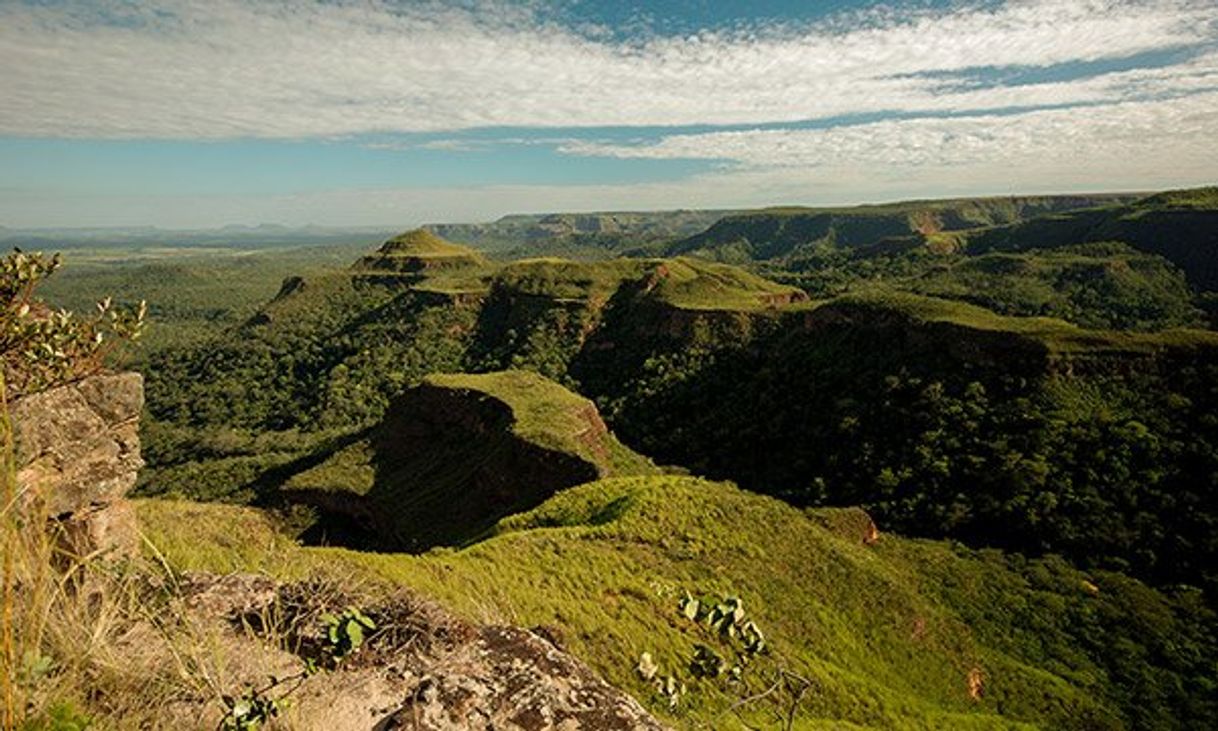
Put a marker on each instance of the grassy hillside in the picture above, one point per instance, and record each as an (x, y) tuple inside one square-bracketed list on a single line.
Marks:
[(416, 252), (331, 350), (191, 293), (1120, 262), (947, 419), (785, 233), (884, 636), (1029, 433), (1100, 285), (456, 453), (325, 357), (402, 405), (1181, 226), (577, 235)]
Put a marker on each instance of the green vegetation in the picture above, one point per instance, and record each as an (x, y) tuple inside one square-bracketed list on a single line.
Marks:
[(1121, 262), (41, 348), (1180, 226), (788, 233), (1194, 199), (954, 379), (418, 251), (901, 634), (1013, 431), (1096, 285), (192, 294), (690, 285), (325, 357), (1020, 432), (578, 235), (455, 454)]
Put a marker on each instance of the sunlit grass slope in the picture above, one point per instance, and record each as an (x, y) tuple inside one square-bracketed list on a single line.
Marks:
[(889, 635), (460, 451)]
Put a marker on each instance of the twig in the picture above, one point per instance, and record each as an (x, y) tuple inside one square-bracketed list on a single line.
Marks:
[(751, 699)]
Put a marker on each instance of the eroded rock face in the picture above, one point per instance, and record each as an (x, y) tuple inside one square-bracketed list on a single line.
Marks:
[(78, 453)]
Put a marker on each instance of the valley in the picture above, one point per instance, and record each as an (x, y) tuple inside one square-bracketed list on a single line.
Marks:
[(957, 458)]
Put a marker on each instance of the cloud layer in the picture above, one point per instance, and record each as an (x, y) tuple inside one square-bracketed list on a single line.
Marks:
[(223, 68), (971, 97)]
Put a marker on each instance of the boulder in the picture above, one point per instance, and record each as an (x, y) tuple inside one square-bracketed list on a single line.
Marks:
[(78, 453), (510, 678)]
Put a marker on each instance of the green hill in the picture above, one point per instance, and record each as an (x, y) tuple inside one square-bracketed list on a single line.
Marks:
[(1100, 285), (456, 453), (785, 233), (578, 235), (1181, 226), (946, 419), (415, 252), (422, 244), (902, 634), (1027, 433), (1100, 261)]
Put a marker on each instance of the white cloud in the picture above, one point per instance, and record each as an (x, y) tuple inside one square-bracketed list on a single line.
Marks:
[(223, 68), (1176, 133)]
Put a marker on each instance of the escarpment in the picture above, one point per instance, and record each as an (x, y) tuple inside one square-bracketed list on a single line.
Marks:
[(458, 452)]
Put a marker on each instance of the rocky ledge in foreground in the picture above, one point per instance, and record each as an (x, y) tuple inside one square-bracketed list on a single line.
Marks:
[(421, 669), (78, 453)]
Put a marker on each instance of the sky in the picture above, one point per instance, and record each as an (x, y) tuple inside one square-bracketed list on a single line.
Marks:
[(202, 113)]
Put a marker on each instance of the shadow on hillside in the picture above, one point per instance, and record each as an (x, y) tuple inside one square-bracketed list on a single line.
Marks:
[(447, 467)]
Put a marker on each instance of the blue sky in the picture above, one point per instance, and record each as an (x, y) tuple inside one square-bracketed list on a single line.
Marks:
[(196, 113)]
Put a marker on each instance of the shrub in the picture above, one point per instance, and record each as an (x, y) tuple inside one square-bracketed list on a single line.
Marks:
[(40, 347)]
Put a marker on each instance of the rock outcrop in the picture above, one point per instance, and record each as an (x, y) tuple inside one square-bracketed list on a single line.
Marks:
[(78, 453), (510, 678), (421, 669)]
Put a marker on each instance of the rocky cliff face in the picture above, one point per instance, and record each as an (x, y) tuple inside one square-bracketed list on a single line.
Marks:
[(78, 453)]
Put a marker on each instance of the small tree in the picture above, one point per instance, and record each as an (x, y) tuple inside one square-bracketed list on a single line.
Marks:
[(40, 347)]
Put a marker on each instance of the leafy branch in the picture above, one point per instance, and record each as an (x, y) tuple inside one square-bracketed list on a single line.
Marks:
[(40, 347)]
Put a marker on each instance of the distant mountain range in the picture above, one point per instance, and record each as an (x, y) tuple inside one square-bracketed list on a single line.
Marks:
[(229, 236)]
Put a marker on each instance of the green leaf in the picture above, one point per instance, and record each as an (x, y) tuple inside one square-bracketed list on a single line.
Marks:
[(355, 632)]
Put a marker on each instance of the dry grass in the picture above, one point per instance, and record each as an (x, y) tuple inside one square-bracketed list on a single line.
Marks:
[(91, 641)]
